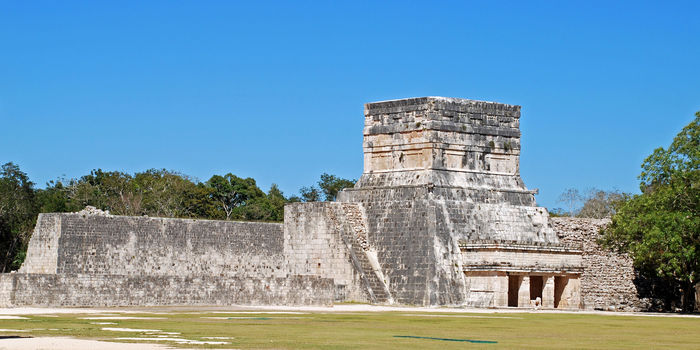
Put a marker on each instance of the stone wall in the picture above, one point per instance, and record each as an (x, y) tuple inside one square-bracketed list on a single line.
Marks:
[(125, 245), (607, 281), (79, 259), (6, 290), (314, 246), (329, 239), (42, 252)]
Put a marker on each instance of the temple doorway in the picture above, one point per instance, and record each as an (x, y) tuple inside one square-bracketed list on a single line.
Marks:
[(536, 286), (560, 283), (513, 288)]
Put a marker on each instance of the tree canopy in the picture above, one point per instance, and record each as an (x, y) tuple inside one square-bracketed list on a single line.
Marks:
[(17, 215), (328, 186), (660, 227)]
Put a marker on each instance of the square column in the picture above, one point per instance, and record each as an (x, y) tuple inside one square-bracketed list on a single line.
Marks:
[(548, 292), (524, 292), (500, 298)]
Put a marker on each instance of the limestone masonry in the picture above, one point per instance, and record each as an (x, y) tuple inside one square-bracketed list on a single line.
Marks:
[(607, 278), (440, 216), (104, 260)]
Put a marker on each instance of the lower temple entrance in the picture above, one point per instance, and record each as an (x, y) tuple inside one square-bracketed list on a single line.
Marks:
[(557, 292), (520, 289), (516, 274)]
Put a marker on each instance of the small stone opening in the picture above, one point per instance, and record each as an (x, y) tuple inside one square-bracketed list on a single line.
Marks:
[(536, 286), (514, 282), (560, 283)]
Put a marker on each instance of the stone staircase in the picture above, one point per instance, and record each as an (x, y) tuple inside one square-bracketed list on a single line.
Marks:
[(354, 236)]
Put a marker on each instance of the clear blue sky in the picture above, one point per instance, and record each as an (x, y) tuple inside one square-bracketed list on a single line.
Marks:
[(275, 90)]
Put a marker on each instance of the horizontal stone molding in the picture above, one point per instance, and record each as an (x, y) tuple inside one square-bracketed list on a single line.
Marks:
[(477, 245), (93, 290), (445, 103)]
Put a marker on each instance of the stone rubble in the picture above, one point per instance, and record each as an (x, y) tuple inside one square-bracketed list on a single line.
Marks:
[(90, 210)]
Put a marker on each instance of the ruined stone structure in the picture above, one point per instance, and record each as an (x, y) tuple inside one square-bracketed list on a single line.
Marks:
[(103, 260), (607, 281), (440, 216)]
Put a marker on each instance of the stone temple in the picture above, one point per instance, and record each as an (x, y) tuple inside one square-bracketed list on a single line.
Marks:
[(448, 213), (440, 216)]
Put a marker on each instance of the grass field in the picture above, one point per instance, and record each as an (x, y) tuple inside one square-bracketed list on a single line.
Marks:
[(369, 330)]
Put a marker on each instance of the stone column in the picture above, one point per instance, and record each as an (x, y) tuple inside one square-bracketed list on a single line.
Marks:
[(548, 292), (524, 292), (500, 297)]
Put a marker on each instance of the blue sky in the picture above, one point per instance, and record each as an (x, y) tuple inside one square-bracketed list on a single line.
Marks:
[(275, 90)]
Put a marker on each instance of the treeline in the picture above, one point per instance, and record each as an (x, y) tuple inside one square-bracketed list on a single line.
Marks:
[(155, 192), (594, 203), (166, 194)]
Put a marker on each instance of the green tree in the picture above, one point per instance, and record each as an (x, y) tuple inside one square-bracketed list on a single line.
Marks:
[(54, 198), (294, 199), (231, 193), (106, 190), (155, 192), (165, 193), (310, 194), (660, 228), (18, 211), (331, 185), (199, 202), (328, 188), (277, 201)]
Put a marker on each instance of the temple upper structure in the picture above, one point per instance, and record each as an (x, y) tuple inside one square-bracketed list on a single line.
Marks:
[(445, 139)]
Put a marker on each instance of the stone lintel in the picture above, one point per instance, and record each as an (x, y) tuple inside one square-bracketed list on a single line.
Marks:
[(475, 246), (525, 270)]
